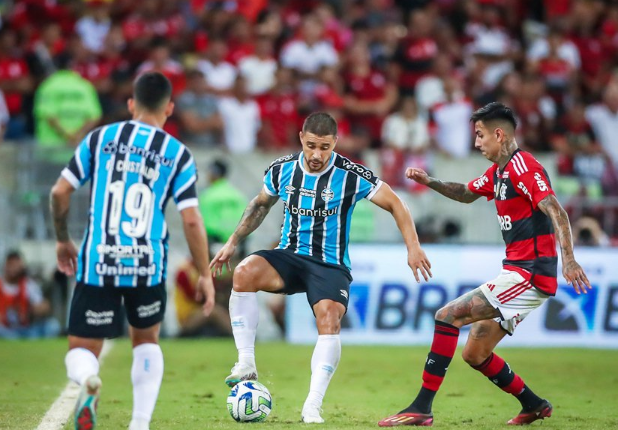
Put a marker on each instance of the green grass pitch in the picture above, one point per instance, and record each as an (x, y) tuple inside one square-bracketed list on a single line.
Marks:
[(371, 383)]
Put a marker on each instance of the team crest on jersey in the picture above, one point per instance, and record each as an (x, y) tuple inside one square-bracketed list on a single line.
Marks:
[(327, 194)]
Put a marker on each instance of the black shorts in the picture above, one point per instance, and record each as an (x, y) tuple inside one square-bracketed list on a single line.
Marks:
[(303, 274), (98, 312)]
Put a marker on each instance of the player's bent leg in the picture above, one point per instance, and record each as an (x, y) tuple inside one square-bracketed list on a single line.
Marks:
[(482, 340), (325, 359), (146, 374), (253, 274), (83, 368), (466, 309)]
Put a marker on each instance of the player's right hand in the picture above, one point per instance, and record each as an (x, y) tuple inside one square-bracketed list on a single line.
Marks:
[(66, 254), (418, 175), (205, 290), (222, 258)]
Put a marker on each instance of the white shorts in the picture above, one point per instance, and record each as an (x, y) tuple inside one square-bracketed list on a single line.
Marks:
[(513, 297)]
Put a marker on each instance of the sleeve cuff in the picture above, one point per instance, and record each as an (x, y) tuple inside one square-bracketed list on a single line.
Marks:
[(269, 192), (375, 190), (188, 203), (69, 176)]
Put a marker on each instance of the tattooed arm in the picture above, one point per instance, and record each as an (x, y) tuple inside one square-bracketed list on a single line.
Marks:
[(60, 202), (452, 190), (571, 270), (254, 214)]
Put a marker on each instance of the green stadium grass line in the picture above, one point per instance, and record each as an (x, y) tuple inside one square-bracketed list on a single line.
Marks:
[(60, 411)]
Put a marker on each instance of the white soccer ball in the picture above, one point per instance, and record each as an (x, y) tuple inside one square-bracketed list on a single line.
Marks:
[(249, 402)]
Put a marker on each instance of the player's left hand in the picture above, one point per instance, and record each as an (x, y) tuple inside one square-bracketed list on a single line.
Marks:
[(418, 261), (574, 275), (66, 254), (205, 289)]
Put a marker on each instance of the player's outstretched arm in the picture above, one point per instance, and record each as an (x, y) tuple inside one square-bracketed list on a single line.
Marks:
[(60, 202), (452, 190), (571, 270), (195, 233), (252, 217), (389, 201)]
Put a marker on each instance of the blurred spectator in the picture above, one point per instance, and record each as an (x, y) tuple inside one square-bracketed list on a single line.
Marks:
[(149, 19), (565, 48), (93, 27), (259, 69), (450, 122), (369, 96), (309, 53), (4, 116), (220, 74), (66, 107), (24, 312), (189, 313), (279, 112), (536, 113), (415, 53), (197, 110), (579, 154), (87, 64), (588, 232), (492, 48), (405, 138), (430, 89), (594, 60), (239, 40), (15, 82), (604, 120), (241, 118), (558, 73), (44, 52), (221, 204), (160, 60)]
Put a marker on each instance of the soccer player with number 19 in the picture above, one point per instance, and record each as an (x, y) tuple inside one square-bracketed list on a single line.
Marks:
[(134, 168), (530, 218)]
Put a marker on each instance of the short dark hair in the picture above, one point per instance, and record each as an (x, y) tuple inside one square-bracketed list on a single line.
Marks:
[(218, 168), (494, 111), (151, 90), (320, 124), (13, 254)]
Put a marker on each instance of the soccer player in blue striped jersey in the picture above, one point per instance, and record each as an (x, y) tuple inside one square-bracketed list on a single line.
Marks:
[(134, 168), (319, 189)]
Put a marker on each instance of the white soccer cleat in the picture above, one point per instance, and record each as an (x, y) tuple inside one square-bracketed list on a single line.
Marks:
[(86, 406), (139, 425), (311, 414), (241, 372)]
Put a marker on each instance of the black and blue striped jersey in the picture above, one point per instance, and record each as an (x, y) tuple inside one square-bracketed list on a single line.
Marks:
[(318, 206), (134, 169)]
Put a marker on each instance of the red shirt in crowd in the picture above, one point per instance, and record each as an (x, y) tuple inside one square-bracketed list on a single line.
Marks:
[(12, 69)]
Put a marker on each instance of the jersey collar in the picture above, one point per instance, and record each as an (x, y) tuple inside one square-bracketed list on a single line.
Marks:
[(301, 161)]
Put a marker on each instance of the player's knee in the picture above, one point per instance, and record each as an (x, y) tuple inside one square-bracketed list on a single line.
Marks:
[(442, 314), (328, 320), (243, 274), (473, 357)]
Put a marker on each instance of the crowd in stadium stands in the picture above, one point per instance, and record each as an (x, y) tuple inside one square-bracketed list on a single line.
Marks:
[(401, 76)]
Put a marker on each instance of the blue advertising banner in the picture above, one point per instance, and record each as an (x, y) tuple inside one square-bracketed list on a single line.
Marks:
[(387, 306)]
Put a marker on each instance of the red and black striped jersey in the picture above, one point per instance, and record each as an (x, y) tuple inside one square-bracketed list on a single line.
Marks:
[(527, 232)]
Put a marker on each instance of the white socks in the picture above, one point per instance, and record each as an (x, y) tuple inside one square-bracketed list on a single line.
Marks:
[(244, 315), (324, 362), (146, 374), (81, 363)]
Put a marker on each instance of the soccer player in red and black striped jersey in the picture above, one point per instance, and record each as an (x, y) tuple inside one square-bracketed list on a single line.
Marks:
[(531, 219)]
